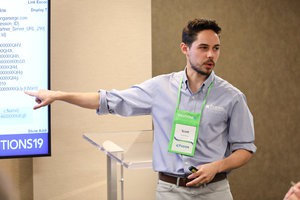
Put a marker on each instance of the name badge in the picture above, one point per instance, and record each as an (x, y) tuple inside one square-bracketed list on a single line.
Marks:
[(184, 133)]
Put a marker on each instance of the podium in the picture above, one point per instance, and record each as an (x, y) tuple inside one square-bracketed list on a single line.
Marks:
[(132, 150)]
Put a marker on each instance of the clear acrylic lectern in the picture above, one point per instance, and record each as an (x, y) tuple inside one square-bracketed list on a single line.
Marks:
[(131, 150)]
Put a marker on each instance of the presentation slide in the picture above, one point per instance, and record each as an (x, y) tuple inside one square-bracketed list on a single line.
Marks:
[(24, 66)]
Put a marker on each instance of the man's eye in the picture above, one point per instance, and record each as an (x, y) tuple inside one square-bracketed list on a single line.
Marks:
[(203, 48), (216, 48)]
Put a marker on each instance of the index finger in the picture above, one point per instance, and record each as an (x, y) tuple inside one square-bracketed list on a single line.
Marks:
[(193, 182), (30, 93)]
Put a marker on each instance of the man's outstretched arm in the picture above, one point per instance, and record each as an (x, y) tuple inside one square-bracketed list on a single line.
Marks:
[(46, 97)]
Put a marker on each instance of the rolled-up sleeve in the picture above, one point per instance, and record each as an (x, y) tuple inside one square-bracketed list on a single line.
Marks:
[(136, 100), (241, 127), (103, 108)]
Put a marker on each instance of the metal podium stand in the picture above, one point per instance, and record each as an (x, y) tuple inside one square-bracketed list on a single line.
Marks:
[(132, 150)]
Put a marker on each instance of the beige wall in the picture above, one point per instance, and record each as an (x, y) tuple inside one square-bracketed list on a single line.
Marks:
[(260, 55), (95, 44)]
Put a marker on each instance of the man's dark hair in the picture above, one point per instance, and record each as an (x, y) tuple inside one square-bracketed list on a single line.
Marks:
[(189, 33)]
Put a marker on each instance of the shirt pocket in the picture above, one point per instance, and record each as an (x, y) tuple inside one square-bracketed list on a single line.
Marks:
[(214, 119)]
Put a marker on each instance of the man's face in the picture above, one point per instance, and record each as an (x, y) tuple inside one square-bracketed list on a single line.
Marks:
[(204, 52)]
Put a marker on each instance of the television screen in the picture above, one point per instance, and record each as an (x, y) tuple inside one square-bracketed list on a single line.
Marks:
[(24, 66)]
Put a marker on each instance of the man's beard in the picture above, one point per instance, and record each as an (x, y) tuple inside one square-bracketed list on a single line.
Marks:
[(199, 71)]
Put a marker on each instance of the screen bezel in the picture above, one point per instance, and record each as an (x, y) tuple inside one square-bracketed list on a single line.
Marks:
[(48, 87)]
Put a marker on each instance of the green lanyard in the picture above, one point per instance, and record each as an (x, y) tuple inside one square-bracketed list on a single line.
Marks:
[(185, 127), (204, 101)]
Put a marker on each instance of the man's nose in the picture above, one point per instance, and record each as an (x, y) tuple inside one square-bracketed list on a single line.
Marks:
[(210, 54)]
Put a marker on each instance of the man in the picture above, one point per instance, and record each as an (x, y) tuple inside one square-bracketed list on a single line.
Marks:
[(200, 120)]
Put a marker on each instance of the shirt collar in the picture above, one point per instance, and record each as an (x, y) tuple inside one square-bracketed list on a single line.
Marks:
[(205, 84)]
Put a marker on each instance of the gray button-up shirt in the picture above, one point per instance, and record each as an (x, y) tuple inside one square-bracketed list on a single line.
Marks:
[(226, 124)]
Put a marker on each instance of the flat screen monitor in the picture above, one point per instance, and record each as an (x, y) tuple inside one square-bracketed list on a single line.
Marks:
[(24, 66)]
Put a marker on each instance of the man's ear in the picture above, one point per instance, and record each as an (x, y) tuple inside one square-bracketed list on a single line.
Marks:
[(184, 48)]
